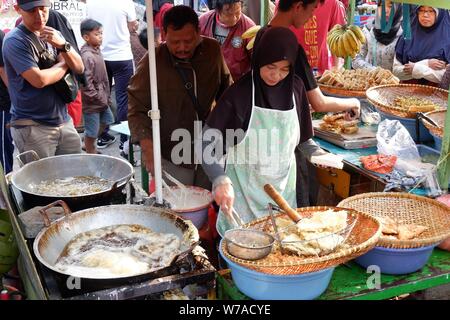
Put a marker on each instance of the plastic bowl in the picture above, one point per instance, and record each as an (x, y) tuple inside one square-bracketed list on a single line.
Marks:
[(261, 286), (437, 142), (199, 214), (410, 125), (396, 261)]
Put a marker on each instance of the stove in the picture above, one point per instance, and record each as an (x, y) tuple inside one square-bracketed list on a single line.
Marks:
[(194, 272)]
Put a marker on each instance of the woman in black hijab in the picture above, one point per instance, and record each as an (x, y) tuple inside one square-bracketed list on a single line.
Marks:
[(266, 114), (379, 49)]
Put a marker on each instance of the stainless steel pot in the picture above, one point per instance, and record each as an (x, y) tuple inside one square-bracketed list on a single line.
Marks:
[(50, 242), (59, 167)]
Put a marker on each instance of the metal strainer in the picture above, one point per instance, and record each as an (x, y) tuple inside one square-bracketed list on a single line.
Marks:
[(248, 244)]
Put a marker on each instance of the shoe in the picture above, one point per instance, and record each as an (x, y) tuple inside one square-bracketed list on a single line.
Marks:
[(103, 142)]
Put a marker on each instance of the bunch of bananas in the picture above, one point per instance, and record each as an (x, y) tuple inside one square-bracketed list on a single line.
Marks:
[(345, 41), (250, 33)]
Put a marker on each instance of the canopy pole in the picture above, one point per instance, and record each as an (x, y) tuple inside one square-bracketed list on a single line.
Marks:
[(154, 113)]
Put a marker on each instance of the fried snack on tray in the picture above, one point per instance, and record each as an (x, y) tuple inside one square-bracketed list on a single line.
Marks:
[(414, 104), (337, 124), (395, 230), (359, 79)]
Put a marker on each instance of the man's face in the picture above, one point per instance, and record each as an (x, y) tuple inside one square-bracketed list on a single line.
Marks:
[(182, 43), (34, 19), (303, 14), (230, 14)]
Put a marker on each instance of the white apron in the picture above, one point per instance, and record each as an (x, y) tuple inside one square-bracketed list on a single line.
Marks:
[(265, 155)]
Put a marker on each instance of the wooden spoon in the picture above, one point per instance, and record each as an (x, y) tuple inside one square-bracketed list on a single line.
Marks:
[(279, 200)]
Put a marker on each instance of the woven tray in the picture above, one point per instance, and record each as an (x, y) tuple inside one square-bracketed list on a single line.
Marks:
[(409, 209), (363, 237), (383, 97), (439, 118), (330, 90)]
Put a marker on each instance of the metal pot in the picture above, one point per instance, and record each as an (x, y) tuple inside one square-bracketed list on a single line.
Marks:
[(59, 167), (51, 241)]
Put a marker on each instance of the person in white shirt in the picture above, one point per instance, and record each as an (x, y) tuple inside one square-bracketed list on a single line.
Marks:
[(118, 19)]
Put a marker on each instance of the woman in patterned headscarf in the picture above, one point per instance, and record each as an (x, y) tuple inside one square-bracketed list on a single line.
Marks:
[(379, 49)]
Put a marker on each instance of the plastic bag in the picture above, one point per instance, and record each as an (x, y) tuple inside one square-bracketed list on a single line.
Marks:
[(369, 115), (394, 139)]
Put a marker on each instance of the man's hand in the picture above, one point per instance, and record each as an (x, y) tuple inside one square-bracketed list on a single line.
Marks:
[(409, 67), (53, 37), (147, 155), (436, 64)]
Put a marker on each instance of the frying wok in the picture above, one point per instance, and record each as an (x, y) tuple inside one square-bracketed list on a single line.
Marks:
[(118, 171), (50, 242)]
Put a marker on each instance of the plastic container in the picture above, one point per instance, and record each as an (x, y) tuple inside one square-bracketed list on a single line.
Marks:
[(261, 286), (437, 142), (396, 261), (198, 214), (410, 125)]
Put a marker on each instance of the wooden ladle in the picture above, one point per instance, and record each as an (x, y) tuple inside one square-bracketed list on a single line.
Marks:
[(282, 203)]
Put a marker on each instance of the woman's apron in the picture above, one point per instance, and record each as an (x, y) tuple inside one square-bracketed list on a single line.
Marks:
[(265, 155)]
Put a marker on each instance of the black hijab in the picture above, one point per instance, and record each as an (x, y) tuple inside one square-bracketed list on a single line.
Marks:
[(275, 44), (389, 37)]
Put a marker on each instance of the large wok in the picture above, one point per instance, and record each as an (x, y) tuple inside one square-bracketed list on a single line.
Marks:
[(117, 170), (51, 240)]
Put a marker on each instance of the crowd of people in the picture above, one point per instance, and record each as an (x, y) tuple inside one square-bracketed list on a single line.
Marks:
[(206, 75)]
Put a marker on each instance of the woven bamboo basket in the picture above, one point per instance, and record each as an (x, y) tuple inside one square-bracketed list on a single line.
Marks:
[(407, 209), (330, 90), (383, 97), (362, 238), (439, 118)]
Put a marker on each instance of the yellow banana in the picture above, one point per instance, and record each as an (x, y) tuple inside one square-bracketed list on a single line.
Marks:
[(341, 49), (251, 43), (346, 44), (251, 32), (354, 42), (358, 33)]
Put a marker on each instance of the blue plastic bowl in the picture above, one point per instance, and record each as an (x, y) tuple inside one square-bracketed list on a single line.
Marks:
[(396, 261), (437, 142), (262, 286), (410, 125)]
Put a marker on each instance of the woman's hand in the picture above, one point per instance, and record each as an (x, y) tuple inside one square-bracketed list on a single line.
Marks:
[(354, 111), (409, 67), (436, 64), (224, 197)]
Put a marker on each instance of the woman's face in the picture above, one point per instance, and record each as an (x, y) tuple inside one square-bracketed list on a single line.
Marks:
[(427, 16), (388, 10), (275, 72)]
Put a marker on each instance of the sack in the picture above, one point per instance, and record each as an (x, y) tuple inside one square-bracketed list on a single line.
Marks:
[(67, 87)]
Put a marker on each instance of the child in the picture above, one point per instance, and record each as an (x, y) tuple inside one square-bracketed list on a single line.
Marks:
[(96, 92)]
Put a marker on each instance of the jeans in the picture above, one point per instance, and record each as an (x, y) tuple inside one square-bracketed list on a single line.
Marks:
[(121, 71), (7, 147)]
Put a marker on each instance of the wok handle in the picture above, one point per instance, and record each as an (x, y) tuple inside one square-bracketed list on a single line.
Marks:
[(33, 153), (279, 200), (119, 181), (44, 214)]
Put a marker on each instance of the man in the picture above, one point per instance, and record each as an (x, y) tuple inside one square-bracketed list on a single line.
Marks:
[(295, 13), (118, 19), (39, 121), (192, 75), (313, 35), (7, 147), (226, 24)]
